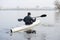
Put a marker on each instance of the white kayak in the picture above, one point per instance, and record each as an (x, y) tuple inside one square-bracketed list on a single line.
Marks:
[(25, 27)]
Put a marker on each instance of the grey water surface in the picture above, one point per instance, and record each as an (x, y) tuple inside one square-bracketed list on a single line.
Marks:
[(8, 20)]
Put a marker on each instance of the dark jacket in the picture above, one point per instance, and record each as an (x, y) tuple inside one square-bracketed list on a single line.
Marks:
[(29, 20)]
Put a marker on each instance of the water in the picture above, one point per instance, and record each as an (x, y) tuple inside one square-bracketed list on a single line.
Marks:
[(8, 19)]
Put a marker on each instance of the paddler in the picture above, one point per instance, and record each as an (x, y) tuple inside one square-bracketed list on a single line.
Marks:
[(28, 21)]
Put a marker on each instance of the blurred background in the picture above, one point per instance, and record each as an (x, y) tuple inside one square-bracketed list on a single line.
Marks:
[(12, 10)]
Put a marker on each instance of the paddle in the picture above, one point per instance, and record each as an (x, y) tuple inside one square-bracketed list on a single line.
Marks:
[(20, 19), (44, 15)]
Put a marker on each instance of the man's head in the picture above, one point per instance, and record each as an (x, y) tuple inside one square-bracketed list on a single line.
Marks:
[(29, 13)]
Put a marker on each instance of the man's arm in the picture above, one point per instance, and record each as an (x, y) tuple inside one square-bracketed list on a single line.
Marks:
[(33, 20)]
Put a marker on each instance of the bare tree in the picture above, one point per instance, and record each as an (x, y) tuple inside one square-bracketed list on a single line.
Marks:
[(57, 3)]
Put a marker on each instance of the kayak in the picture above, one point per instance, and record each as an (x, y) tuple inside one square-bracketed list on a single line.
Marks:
[(25, 27)]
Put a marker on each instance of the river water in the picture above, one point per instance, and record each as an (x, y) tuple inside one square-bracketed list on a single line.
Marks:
[(8, 20)]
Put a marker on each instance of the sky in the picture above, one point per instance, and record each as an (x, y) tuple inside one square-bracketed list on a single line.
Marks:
[(26, 3)]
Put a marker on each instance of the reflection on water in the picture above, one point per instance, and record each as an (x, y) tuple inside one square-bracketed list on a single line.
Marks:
[(8, 19)]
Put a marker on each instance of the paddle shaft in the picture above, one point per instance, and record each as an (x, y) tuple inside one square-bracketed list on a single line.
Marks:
[(36, 17), (44, 15)]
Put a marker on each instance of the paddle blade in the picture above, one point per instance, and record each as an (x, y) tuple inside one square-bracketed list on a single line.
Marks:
[(20, 19), (44, 15)]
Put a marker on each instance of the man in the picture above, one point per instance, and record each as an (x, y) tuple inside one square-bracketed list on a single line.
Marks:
[(28, 19)]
